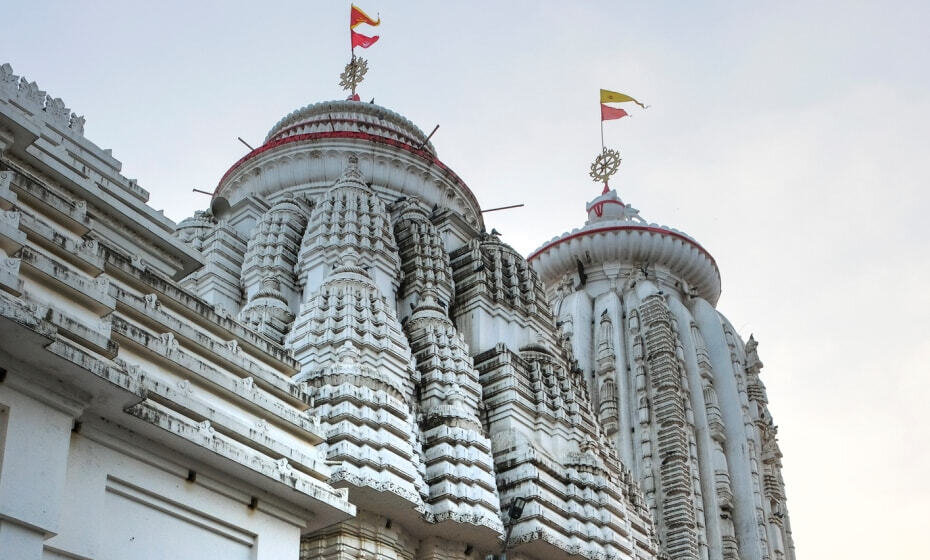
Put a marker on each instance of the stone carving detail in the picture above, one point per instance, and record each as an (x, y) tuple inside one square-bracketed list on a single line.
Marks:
[(750, 410), (77, 124), (572, 470), (185, 387), (151, 301), (442, 382), (170, 342), (356, 360), (349, 217), (10, 218), (56, 110), (6, 177), (671, 463), (8, 80), (774, 516), (436, 374), (461, 472), (606, 371), (31, 95), (425, 263), (730, 546), (268, 277)]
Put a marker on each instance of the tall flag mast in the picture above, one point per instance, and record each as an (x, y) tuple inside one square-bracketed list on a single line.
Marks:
[(357, 67), (608, 161)]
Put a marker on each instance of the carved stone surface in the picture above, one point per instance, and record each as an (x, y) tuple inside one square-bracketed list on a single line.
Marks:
[(390, 308), (337, 357), (700, 437)]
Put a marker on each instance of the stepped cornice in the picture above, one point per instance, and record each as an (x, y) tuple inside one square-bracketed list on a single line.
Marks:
[(632, 243)]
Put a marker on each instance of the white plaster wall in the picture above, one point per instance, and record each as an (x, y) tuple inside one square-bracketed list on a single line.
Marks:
[(91, 495), (32, 472), (123, 501)]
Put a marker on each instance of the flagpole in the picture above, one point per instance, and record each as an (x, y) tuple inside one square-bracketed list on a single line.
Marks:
[(351, 46), (602, 134)]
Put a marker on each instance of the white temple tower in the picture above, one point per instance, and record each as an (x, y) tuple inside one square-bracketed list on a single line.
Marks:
[(428, 346), (675, 387)]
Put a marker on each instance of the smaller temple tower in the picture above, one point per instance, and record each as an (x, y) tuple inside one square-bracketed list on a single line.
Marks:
[(675, 388)]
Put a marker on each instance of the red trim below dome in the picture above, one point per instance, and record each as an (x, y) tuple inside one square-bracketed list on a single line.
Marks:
[(598, 207), (355, 136), (648, 229)]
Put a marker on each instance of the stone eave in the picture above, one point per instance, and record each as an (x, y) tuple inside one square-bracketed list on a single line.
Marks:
[(83, 168)]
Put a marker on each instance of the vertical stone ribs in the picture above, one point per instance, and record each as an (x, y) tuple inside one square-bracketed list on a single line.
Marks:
[(457, 453), (488, 268), (350, 216), (729, 544), (353, 351), (459, 468), (580, 499), (223, 251), (356, 361), (677, 517), (424, 261), (268, 278)]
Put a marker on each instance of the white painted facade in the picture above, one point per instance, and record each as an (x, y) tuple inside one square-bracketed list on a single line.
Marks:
[(336, 361)]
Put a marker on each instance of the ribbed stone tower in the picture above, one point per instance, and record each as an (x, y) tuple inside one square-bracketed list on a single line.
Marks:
[(674, 386), (446, 392)]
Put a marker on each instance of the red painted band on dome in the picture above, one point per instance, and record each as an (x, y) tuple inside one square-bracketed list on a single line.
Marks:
[(648, 229), (277, 135), (351, 135), (603, 202)]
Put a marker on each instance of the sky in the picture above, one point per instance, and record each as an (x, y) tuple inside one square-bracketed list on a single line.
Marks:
[(790, 139)]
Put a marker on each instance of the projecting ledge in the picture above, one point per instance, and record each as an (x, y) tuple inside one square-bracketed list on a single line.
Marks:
[(276, 476)]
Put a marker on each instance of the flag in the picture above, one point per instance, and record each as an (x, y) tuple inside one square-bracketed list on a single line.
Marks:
[(614, 97), (609, 113), (358, 17), (359, 40)]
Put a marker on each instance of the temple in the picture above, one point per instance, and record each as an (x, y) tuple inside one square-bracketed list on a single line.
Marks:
[(335, 360)]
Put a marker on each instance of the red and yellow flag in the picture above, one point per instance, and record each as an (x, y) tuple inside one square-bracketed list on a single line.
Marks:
[(358, 17), (614, 97)]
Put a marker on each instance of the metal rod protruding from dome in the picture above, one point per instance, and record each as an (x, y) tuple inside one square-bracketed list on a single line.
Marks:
[(246, 143), (503, 208), (423, 143)]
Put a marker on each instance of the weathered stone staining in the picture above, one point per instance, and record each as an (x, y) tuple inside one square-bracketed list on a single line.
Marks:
[(336, 361)]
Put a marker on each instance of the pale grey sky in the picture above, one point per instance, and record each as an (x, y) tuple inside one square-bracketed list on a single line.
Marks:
[(789, 138)]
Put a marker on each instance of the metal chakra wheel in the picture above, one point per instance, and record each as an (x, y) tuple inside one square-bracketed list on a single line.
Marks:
[(605, 165), (354, 73)]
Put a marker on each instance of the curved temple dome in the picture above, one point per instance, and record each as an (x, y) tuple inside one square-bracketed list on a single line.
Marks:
[(615, 232), (306, 151)]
